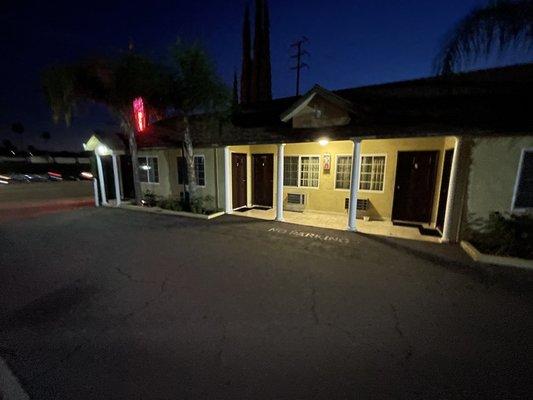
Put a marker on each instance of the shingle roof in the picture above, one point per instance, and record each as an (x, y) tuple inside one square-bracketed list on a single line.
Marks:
[(492, 101)]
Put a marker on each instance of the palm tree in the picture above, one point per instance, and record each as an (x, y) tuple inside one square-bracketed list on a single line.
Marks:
[(499, 25), (195, 88), (113, 82)]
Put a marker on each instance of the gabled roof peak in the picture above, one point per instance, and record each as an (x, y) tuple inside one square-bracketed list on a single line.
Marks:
[(316, 90)]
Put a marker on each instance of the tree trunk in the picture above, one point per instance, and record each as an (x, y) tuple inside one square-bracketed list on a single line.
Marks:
[(189, 159), (130, 131)]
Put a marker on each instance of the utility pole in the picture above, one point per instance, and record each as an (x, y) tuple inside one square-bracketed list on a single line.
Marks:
[(300, 52)]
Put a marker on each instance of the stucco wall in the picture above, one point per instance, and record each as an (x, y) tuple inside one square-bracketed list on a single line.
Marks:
[(326, 198), (168, 173), (493, 173)]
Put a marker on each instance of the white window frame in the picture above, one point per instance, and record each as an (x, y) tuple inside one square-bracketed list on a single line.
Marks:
[(300, 170), (147, 174), (384, 172), (205, 175), (297, 171), (336, 166), (517, 181)]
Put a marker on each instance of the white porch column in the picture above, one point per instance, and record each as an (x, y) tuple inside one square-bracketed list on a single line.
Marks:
[(228, 198), (117, 180), (279, 195), (452, 190), (101, 178), (95, 189), (354, 184)]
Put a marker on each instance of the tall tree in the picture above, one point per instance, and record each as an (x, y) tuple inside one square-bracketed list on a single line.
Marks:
[(258, 53), (266, 87), (498, 26), (195, 88), (246, 69), (114, 82), (261, 67), (235, 94)]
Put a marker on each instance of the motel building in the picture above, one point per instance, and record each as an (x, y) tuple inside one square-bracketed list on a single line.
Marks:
[(417, 159)]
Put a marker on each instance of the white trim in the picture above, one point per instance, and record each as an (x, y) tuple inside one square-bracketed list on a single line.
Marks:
[(279, 182), (147, 175), (354, 185), (384, 172), (300, 107), (205, 175), (118, 194), (178, 172), (101, 178), (335, 174), (228, 200), (517, 181), (300, 170)]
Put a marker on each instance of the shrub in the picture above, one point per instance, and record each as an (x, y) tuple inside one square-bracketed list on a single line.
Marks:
[(503, 235), (149, 199), (171, 204)]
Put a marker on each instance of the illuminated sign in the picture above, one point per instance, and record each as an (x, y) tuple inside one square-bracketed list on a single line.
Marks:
[(140, 114)]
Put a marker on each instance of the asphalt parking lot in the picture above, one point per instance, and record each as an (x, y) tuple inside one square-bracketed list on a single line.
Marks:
[(113, 304)]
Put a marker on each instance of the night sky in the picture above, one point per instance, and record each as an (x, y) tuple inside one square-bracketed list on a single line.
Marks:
[(352, 43)]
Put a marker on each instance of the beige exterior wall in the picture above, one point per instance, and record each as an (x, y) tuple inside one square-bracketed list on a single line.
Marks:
[(493, 174), (168, 173), (326, 198)]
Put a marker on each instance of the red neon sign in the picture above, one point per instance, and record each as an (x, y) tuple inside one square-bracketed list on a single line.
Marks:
[(140, 114)]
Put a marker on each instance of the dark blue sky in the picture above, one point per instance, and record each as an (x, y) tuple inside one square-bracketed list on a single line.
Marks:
[(352, 43)]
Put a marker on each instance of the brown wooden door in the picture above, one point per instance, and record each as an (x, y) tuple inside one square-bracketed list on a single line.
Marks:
[(263, 179), (415, 186), (238, 161), (444, 186)]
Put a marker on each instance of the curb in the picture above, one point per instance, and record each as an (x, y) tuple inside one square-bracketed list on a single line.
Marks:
[(480, 257)]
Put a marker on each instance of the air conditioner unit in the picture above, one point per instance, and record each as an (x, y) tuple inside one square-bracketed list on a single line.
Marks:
[(295, 202), (363, 206)]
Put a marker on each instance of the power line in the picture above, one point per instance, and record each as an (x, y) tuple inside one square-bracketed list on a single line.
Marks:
[(300, 53)]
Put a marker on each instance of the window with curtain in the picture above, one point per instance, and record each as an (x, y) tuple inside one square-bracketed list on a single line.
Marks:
[(372, 175), (343, 173), (148, 170), (309, 171)]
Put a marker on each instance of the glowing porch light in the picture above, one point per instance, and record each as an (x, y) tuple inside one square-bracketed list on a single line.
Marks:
[(102, 150), (323, 142)]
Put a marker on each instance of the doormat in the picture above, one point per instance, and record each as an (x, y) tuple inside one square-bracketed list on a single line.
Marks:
[(429, 232), (423, 231), (407, 224), (244, 209), (262, 208)]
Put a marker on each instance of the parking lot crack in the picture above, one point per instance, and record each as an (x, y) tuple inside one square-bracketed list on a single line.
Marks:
[(313, 306), (399, 331), (132, 279)]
